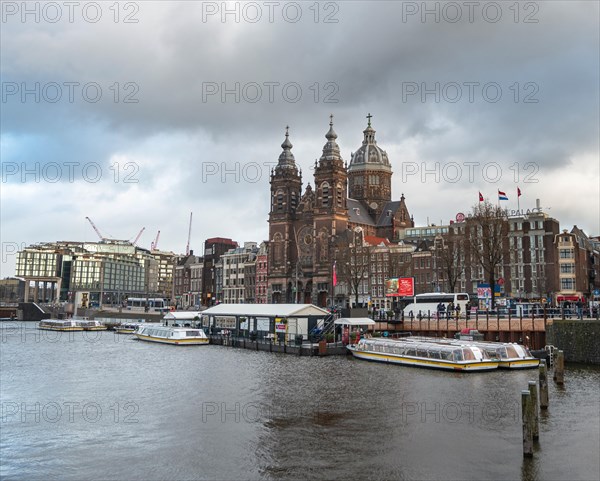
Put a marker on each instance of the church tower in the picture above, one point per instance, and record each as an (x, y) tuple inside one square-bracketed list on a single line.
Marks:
[(330, 213), (286, 186), (370, 174)]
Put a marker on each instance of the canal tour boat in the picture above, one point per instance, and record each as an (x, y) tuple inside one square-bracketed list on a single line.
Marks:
[(59, 325), (171, 335), (436, 355), (509, 355), (88, 325), (126, 328)]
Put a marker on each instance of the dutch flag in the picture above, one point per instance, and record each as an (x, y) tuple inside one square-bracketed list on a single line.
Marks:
[(502, 195)]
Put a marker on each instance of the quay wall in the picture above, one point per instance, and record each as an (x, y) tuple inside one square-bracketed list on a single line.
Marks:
[(579, 339)]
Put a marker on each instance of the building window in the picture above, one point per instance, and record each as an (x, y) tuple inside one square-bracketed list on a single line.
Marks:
[(325, 193), (567, 268), (566, 253), (567, 284)]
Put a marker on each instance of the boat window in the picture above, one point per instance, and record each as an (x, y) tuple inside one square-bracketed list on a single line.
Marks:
[(493, 352), (411, 352), (446, 354), (192, 333), (468, 354), (458, 355), (511, 351), (434, 354), (422, 353)]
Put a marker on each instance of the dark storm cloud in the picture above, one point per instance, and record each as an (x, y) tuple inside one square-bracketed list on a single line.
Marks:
[(369, 61)]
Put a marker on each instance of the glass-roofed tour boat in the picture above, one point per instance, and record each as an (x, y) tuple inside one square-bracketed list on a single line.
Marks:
[(60, 325), (171, 335), (436, 355)]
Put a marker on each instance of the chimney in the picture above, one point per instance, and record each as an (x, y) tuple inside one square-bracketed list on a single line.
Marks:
[(537, 203)]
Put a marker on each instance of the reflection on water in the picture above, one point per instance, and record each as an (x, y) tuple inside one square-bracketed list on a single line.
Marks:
[(103, 406)]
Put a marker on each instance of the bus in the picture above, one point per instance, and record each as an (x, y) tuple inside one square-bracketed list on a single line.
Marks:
[(154, 304), (427, 304)]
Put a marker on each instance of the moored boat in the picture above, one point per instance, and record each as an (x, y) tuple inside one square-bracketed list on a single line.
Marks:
[(88, 325), (509, 355), (171, 335), (59, 325), (436, 355), (126, 328)]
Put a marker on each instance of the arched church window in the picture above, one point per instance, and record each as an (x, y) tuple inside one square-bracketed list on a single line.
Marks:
[(339, 195), (279, 201), (325, 194), (293, 201)]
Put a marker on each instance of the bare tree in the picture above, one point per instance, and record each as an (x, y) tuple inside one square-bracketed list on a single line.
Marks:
[(352, 261), (449, 257), (487, 228)]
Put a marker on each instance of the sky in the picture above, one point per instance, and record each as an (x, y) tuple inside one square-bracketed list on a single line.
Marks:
[(137, 113)]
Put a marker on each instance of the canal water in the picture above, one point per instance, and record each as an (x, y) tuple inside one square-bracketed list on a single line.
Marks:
[(102, 406)]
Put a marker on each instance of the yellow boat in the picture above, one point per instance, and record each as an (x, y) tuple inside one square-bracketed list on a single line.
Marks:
[(183, 336), (59, 325), (435, 355), (88, 325)]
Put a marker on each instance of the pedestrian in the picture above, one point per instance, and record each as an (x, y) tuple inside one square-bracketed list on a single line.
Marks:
[(457, 310), (449, 310), (579, 309), (441, 308), (467, 309)]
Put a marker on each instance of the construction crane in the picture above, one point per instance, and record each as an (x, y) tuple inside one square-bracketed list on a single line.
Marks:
[(187, 247), (137, 237), (154, 245), (96, 229)]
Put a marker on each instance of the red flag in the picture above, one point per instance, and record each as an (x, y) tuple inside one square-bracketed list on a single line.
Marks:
[(518, 192), (480, 197), (334, 276)]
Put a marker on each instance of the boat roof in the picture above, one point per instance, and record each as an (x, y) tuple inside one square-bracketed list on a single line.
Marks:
[(183, 315), (266, 310), (355, 321)]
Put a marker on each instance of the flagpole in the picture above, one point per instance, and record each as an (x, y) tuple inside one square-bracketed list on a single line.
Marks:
[(518, 200)]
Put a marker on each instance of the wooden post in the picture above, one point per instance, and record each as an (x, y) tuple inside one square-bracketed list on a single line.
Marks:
[(559, 368), (533, 391), (527, 434), (543, 379)]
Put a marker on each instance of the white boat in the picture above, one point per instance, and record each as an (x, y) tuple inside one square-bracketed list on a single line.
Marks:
[(59, 325), (509, 355), (127, 328), (88, 325), (171, 335), (436, 355)]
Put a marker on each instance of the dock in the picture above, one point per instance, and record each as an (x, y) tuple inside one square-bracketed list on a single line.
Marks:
[(271, 345)]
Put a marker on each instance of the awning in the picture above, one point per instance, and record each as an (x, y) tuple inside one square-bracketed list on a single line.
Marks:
[(567, 298), (355, 321)]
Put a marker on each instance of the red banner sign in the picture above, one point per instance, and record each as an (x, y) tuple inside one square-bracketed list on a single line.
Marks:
[(400, 287)]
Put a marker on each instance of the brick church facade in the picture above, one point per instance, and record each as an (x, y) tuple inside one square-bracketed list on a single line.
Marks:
[(305, 227)]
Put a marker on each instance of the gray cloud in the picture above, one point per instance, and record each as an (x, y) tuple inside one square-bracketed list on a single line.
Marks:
[(371, 57)]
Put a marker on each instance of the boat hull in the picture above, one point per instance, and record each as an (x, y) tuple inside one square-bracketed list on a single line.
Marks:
[(519, 364), (466, 366), (71, 328), (124, 331), (178, 342)]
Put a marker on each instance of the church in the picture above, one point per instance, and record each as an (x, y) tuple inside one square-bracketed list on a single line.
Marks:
[(305, 226)]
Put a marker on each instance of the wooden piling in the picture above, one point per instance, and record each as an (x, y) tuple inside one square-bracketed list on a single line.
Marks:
[(543, 379), (559, 368), (527, 433), (533, 405)]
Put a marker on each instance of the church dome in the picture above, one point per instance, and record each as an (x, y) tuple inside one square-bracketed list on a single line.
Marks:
[(369, 156)]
